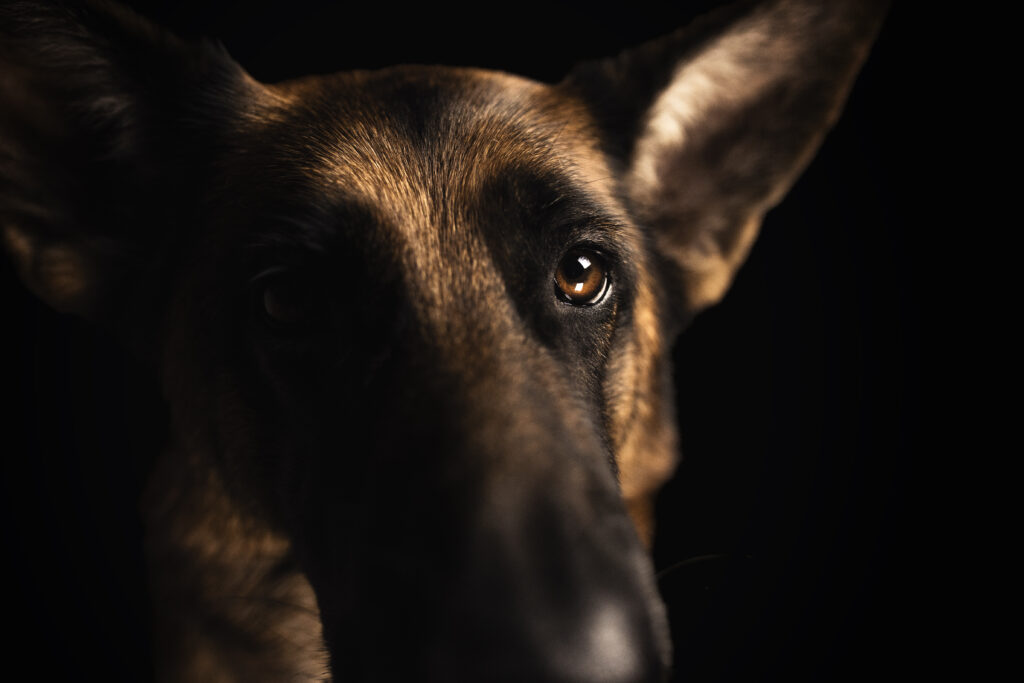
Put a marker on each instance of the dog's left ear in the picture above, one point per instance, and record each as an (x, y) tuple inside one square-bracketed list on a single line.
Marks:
[(105, 125), (715, 122)]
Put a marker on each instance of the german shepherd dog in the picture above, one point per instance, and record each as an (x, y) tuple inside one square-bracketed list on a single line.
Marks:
[(412, 325)]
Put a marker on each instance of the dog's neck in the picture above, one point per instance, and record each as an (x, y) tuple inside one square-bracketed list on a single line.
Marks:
[(232, 605)]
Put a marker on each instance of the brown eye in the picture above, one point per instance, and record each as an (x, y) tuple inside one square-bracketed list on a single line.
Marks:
[(289, 301), (582, 277)]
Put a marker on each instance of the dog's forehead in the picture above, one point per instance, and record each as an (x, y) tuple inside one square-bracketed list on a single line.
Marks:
[(416, 142)]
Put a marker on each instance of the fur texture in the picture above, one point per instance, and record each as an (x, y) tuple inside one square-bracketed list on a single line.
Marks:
[(345, 284)]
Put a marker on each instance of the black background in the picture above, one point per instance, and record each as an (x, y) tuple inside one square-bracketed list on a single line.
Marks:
[(798, 396)]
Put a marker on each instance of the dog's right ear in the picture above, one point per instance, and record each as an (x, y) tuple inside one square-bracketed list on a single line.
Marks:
[(714, 123), (103, 123)]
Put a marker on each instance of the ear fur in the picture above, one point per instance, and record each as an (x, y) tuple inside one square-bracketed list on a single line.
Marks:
[(715, 122), (100, 116)]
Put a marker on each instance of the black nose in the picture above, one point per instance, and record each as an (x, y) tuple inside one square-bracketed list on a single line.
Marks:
[(608, 641), (553, 599), (611, 646)]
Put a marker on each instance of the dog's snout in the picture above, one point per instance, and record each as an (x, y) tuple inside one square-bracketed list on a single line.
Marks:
[(505, 552), (539, 587)]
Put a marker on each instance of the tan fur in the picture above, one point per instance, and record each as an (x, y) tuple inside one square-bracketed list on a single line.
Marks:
[(216, 562), (642, 422)]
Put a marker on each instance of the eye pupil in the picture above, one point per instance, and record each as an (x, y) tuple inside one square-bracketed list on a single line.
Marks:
[(581, 278)]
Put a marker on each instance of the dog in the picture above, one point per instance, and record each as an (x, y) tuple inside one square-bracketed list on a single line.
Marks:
[(412, 326)]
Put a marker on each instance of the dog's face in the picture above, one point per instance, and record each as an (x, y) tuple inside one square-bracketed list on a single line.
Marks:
[(430, 337), (416, 322)]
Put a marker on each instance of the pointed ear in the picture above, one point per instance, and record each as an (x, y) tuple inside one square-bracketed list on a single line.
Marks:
[(715, 122), (103, 120)]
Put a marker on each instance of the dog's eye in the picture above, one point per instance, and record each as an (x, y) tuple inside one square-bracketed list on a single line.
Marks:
[(288, 301), (582, 277)]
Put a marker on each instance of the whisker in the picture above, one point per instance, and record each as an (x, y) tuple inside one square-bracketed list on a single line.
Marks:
[(672, 568)]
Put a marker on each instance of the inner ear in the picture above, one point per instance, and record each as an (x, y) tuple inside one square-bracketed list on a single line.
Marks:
[(715, 122)]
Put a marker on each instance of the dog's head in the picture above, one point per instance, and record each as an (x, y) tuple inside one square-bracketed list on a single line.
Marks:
[(418, 319)]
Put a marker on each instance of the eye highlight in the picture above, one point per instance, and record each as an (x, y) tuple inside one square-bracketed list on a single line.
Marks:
[(582, 277)]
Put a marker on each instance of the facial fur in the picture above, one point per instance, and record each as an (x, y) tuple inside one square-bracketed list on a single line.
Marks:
[(391, 430)]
